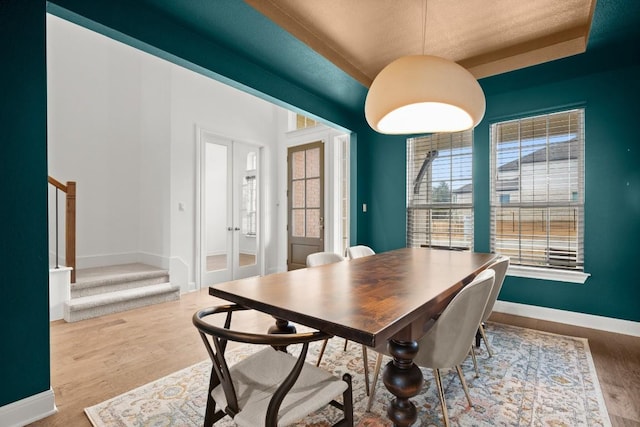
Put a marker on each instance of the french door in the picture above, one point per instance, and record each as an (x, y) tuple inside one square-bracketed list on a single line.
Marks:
[(305, 191), (229, 246)]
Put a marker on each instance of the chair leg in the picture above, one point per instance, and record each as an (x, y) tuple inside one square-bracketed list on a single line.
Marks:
[(484, 337), (464, 384), (347, 402), (365, 360), (376, 372), (445, 415), (475, 362), (324, 346)]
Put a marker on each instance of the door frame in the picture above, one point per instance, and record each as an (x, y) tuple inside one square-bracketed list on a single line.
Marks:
[(201, 134), (332, 179)]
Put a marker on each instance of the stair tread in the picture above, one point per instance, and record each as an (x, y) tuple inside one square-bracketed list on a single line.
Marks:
[(96, 276), (115, 296)]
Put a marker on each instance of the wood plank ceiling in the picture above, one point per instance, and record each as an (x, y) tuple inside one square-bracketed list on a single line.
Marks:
[(487, 37)]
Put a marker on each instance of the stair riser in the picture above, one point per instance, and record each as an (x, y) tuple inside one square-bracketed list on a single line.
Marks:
[(78, 291), (71, 315)]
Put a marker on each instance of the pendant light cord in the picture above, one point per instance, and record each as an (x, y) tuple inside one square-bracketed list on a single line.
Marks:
[(424, 26)]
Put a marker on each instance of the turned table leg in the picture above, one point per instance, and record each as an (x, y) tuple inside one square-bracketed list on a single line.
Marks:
[(404, 380), (282, 326)]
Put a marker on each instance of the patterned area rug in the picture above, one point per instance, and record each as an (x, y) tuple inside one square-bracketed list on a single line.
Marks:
[(533, 379)]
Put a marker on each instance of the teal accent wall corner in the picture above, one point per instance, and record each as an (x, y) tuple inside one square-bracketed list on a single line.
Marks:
[(24, 367), (608, 88), (609, 94), (612, 188), (382, 171)]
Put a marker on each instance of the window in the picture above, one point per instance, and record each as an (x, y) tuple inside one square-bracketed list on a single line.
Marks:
[(440, 191), (537, 190), (303, 122)]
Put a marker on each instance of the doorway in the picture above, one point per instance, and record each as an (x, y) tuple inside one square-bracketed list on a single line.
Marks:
[(229, 226), (305, 207)]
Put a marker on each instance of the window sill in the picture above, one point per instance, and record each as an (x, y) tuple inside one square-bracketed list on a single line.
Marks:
[(548, 274)]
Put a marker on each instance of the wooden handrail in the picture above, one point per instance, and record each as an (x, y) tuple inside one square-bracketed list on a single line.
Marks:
[(70, 224), (57, 184)]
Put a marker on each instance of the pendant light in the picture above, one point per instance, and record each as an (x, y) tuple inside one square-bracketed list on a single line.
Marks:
[(424, 94)]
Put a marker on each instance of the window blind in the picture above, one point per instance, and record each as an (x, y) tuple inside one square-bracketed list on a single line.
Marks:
[(537, 190), (440, 191)]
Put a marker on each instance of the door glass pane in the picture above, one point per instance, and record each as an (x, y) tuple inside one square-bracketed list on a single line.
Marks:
[(297, 228), (248, 242), (297, 166), (313, 223), (297, 188), (313, 193), (216, 196), (313, 163)]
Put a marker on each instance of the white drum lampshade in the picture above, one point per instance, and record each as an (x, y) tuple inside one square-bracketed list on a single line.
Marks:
[(424, 94)]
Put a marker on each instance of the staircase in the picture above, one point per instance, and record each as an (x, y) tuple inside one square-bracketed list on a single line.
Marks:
[(105, 290)]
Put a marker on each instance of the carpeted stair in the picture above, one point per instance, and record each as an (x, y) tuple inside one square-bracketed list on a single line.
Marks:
[(106, 290)]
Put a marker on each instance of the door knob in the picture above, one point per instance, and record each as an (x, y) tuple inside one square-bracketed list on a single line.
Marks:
[(229, 228), (237, 229)]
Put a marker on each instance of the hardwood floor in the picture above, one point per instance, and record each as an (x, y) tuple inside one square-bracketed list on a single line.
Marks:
[(96, 359)]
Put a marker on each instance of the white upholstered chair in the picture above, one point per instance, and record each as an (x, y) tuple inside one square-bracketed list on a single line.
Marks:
[(270, 387), (446, 343), (321, 258), (500, 268), (359, 251)]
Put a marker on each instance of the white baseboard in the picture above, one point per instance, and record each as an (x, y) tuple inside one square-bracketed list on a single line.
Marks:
[(602, 323), (91, 261), (28, 410), (104, 260), (154, 260)]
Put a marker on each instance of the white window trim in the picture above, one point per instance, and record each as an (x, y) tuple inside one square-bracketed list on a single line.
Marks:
[(548, 274)]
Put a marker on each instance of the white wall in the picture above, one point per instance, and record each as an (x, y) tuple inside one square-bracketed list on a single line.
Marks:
[(198, 101), (123, 125), (154, 161), (94, 136)]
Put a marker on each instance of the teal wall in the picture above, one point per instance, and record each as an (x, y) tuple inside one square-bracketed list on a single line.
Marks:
[(24, 358), (609, 92), (610, 96), (24, 303)]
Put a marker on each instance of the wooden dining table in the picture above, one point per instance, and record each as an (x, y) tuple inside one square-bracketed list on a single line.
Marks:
[(380, 300)]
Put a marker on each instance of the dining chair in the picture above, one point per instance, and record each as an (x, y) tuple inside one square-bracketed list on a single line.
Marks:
[(269, 387), (500, 268), (322, 258), (446, 343), (359, 251)]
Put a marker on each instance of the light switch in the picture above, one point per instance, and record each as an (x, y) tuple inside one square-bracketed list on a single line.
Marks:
[(364, 207), (181, 206)]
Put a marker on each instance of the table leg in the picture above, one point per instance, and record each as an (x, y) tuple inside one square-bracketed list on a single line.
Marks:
[(404, 380), (282, 326)]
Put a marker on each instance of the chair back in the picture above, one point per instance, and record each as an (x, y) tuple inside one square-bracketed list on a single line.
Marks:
[(447, 343), (215, 339), (500, 267), (321, 258), (359, 251)]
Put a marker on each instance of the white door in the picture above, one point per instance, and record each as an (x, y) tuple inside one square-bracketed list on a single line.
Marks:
[(229, 210)]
